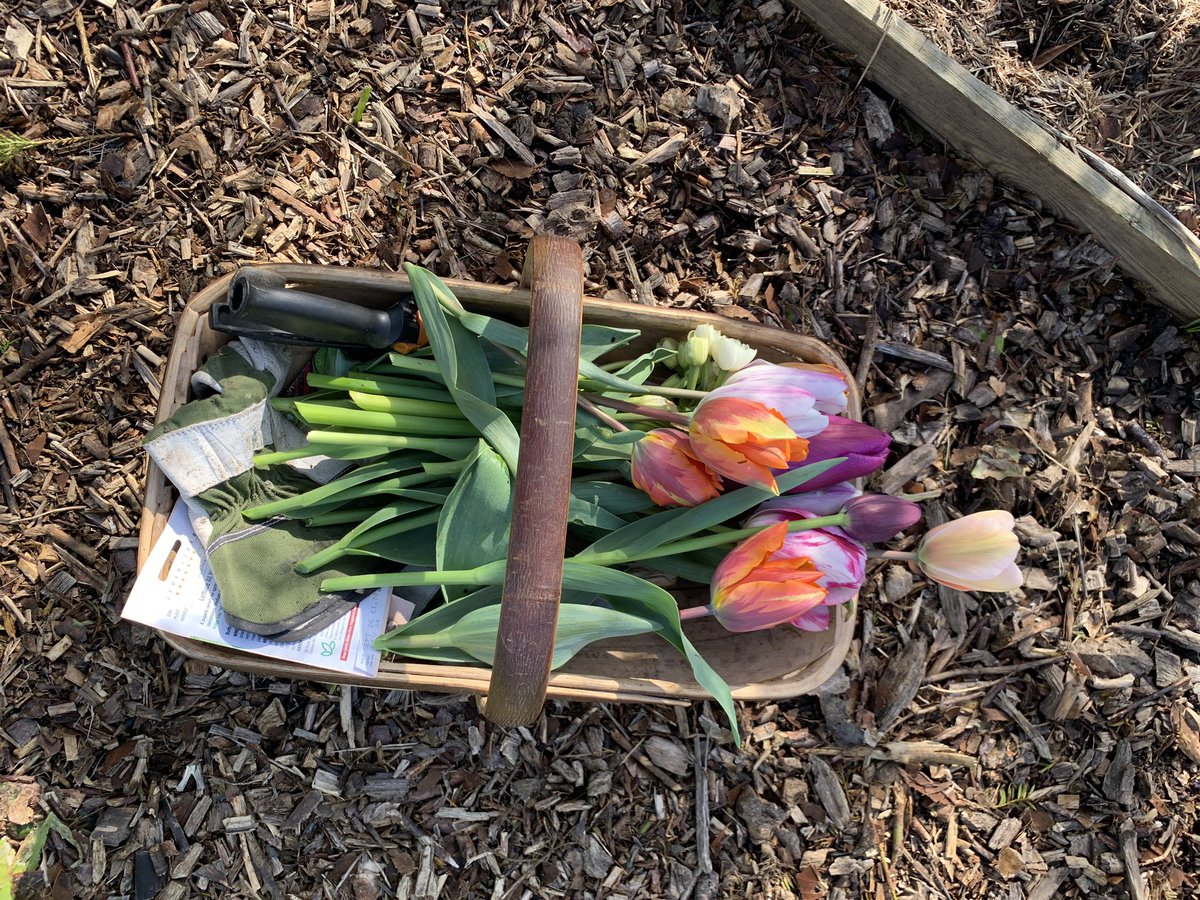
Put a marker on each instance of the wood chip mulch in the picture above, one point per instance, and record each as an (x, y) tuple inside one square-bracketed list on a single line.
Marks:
[(1030, 746)]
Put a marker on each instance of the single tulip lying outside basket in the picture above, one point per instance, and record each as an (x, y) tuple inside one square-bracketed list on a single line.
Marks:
[(656, 506)]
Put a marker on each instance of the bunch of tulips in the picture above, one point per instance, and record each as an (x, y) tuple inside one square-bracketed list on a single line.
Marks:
[(694, 459), (767, 418)]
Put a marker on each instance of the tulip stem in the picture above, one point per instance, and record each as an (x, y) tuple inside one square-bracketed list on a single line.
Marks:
[(703, 542), (694, 612), (402, 642), (684, 393), (922, 495), (648, 412), (891, 554), (488, 573), (590, 406)]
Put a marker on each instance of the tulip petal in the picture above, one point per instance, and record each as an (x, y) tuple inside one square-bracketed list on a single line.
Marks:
[(664, 466), (873, 518), (754, 605), (816, 619), (974, 553), (825, 383), (836, 596), (731, 464), (743, 440), (755, 588), (821, 502), (975, 547), (1007, 580), (864, 446), (742, 559), (737, 419)]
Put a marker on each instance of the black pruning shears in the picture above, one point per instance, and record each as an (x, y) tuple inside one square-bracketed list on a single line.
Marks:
[(260, 305)]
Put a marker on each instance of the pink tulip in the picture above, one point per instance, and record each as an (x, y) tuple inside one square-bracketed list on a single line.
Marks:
[(785, 390), (974, 553), (824, 382), (865, 449), (666, 468), (841, 560), (762, 583), (743, 440)]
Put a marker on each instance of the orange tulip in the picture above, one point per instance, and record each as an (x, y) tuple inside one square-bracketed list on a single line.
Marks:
[(744, 440), (974, 553), (759, 584), (665, 467)]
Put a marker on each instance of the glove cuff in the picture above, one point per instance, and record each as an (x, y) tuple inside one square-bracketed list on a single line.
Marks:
[(202, 455)]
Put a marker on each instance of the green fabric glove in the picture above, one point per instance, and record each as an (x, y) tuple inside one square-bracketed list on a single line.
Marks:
[(205, 449)]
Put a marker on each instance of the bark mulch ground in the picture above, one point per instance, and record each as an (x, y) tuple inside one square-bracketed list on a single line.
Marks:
[(1037, 745)]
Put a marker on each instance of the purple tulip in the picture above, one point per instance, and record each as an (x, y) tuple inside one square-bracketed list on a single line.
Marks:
[(864, 447), (875, 518), (870, 518), (821, 502)]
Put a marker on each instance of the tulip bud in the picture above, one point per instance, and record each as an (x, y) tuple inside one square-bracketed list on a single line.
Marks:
[(975, 553), (693, 352), (654, 401), (664, 465), (874, 518), (671, 361)]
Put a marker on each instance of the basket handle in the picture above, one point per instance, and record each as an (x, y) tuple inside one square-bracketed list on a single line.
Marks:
[(538, 535)]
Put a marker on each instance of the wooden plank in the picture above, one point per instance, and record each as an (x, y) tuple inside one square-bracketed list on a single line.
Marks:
[(1148, 242)]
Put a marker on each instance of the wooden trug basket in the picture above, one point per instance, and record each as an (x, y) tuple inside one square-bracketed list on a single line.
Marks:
[(764, 665)]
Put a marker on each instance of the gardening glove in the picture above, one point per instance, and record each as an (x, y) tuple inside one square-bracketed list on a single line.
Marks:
[(206, 450)]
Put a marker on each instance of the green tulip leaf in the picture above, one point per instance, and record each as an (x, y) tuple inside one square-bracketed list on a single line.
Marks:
[(415, 548), (638, 597), (474, 523), (393, 518), (618, 499), (342, 489), (475, 632), (586, 512), (673, 525), (442, 617), (578, 626), (464, 367), (594, 342), (636, 371)]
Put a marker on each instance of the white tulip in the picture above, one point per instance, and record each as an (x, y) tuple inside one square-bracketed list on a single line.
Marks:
[(731, 354)]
